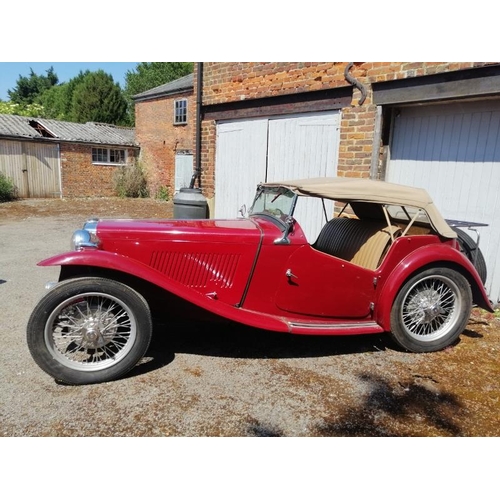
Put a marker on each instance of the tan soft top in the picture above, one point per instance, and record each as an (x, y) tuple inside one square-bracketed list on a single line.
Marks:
[(367, 190)]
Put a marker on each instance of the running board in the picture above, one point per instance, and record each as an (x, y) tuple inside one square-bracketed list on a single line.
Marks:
[(346, 328)]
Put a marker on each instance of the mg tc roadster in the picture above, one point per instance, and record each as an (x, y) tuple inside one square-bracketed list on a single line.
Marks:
[(324, 256)]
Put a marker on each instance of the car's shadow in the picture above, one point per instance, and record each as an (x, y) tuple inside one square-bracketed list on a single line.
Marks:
[(238, 341)]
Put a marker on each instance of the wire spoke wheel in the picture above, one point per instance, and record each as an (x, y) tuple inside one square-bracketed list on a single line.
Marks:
[(431, 310), (90, 331)]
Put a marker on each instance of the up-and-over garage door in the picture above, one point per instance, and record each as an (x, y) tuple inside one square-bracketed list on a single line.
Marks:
[(272, 149), (453, 151)]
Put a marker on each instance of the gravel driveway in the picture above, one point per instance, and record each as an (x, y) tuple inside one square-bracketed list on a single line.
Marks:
[(200, 380)]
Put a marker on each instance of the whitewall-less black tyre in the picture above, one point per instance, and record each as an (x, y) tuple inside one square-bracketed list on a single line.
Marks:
[(431, 310), (89, 330)]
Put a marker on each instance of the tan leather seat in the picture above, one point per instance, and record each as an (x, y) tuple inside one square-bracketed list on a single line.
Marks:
[(363, 243)]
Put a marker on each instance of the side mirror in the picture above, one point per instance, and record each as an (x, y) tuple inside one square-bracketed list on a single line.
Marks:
[(242, 212)]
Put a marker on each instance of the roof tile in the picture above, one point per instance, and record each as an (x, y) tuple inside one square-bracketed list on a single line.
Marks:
[(90, 132)]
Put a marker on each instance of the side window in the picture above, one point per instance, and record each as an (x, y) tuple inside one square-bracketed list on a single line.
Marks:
[(180, 111), (109, 156), (99, 155)]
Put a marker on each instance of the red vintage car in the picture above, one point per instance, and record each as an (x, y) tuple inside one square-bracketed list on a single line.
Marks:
[(384, 260)]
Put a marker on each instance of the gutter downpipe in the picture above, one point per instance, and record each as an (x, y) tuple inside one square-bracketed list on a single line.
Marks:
[(374, 170), (356, 83), (197, 169)]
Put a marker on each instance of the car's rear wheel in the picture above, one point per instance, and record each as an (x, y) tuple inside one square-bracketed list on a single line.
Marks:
[(89, 330), (431, 310)]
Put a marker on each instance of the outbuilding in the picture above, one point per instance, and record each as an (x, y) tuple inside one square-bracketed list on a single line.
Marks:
[(55, 159)]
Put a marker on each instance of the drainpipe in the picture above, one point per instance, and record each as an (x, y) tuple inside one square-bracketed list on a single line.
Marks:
[(356, 83), (197, 169)]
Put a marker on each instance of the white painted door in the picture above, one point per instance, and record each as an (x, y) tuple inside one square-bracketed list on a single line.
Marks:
[(240, 164), (305, 146), (183, 171), (270, 149), (453, 151)]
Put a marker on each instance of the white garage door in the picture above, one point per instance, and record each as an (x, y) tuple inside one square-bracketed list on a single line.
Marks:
[(271, 149), (453, 151)]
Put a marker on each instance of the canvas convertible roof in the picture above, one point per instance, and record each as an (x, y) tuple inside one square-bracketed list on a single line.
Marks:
[(371, 191)]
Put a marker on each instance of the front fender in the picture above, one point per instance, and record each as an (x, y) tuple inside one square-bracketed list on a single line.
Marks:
[(425, 257), (117, 262)]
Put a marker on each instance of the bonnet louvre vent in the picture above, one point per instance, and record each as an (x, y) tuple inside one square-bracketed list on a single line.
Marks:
[(197, 270)]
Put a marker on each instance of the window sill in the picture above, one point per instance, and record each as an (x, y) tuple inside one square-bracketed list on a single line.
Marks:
[(103, 164)]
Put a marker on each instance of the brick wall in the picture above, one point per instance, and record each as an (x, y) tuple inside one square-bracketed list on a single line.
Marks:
[(224, 82), (159, 138), (81, 178), (231, 82)]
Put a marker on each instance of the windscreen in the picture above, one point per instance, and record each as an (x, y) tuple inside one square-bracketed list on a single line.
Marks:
[(275, 201)]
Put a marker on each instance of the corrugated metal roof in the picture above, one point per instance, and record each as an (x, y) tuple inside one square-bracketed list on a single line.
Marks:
[(90, 132), (182, 84)]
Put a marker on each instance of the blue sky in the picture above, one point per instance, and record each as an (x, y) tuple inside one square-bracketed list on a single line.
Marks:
[(10, 71)]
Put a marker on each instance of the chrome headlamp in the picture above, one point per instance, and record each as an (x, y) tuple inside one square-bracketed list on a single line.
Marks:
[(86, 237)]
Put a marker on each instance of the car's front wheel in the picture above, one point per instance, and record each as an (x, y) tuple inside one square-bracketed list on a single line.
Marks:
[(431, 310), (89, 330)]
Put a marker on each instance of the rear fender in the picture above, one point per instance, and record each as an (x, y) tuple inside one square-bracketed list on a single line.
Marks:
[(423, 258)]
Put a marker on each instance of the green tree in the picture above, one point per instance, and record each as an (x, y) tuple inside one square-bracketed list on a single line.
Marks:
[(28, 89), (148, 75), (55, 102), (98, 98), (58, 100)]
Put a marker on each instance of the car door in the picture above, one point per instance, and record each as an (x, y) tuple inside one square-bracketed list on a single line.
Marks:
[(324, 286)]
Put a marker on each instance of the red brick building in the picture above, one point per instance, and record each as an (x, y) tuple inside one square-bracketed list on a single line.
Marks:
[(165, 126), (234, 91), (433, 125), (51, 158)]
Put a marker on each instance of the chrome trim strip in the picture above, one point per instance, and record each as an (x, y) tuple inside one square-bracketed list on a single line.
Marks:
[(335, 326)]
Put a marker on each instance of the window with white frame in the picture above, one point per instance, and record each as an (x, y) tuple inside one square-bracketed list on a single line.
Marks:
[(109, 155), (180, 111)]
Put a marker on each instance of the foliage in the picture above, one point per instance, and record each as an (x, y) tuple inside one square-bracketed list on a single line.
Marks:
[(54, 102), (163, 193), (130, 182), (28, 89), (90, 96), (58, 100), (8, 191), (97, 98), (32, 110), (149, 75)]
